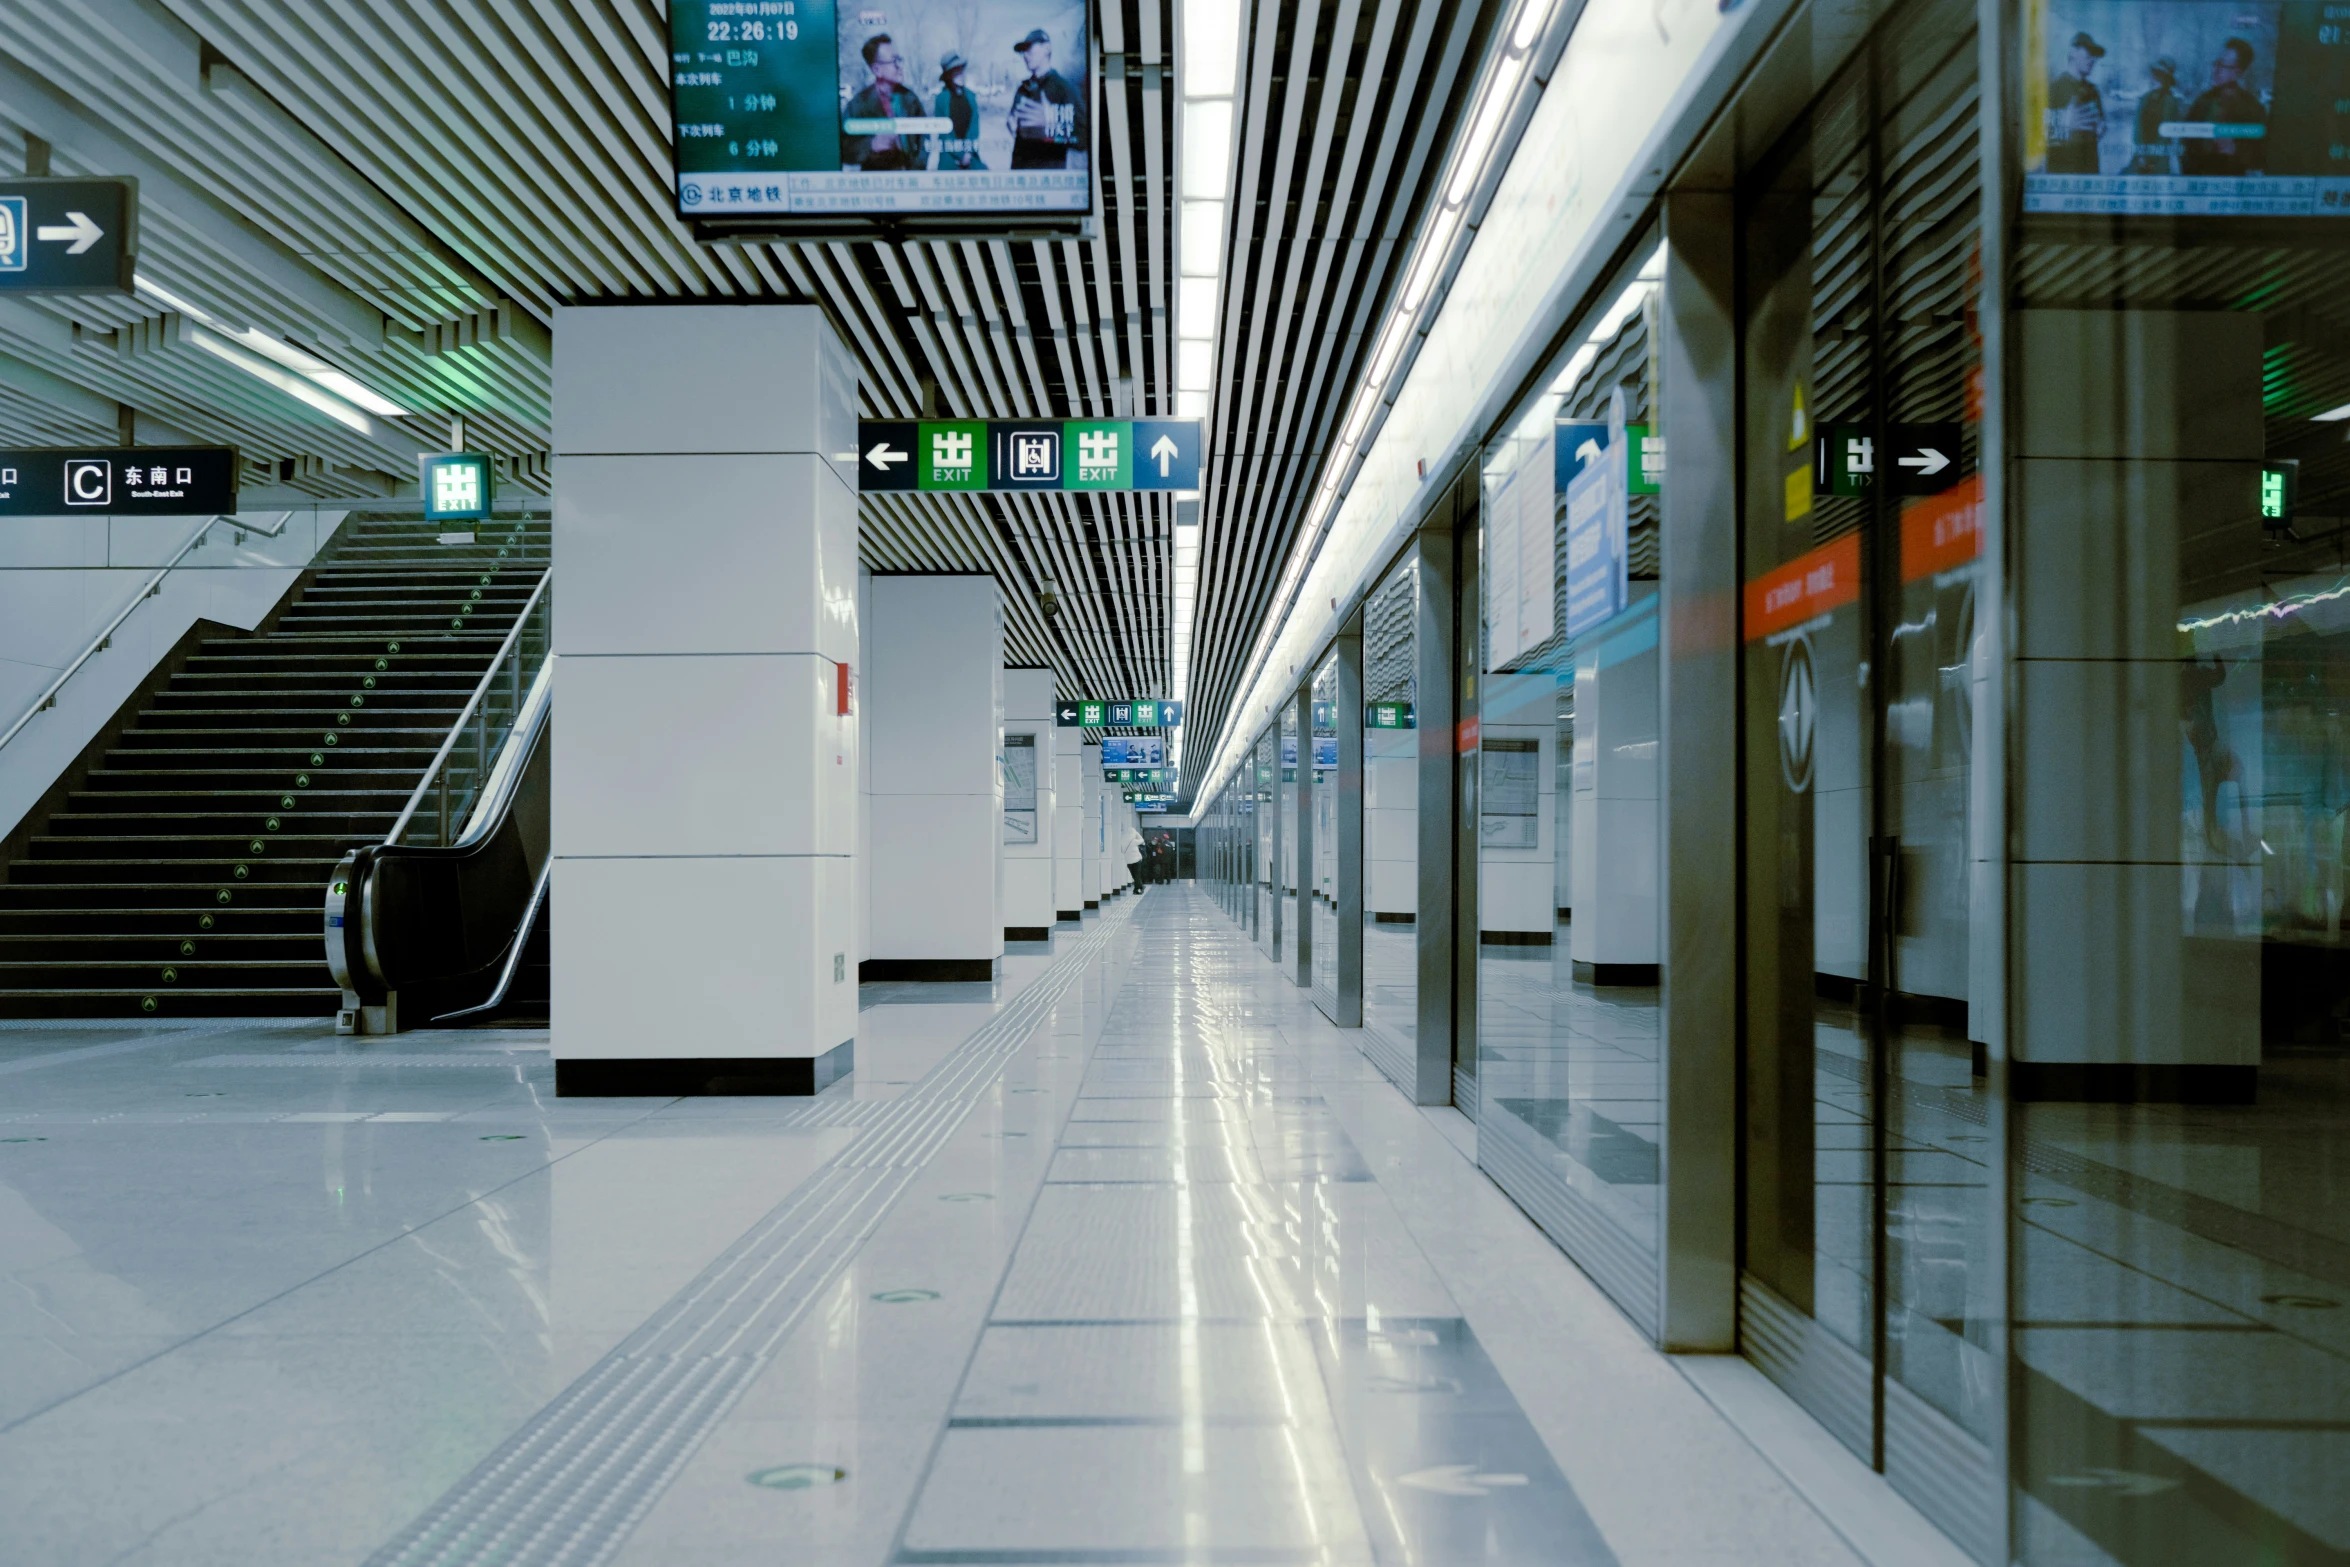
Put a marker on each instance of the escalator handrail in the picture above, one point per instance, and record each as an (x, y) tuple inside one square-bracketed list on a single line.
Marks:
[(530, 914), (489, 807), (507, 649)]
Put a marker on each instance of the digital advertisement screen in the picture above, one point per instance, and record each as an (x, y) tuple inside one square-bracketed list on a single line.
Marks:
[(2189, 108), (815, 108)]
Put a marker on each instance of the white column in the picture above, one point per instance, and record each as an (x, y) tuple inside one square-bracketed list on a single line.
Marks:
[(1614, 857), (1089, 837), (1391, 823), (2143, 858), (704, 805), (1069, 824), (1028, 867), (934, 719), (864, 877)]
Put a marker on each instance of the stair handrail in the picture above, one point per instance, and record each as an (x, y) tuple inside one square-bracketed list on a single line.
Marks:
[(104, 639), (475, 712)]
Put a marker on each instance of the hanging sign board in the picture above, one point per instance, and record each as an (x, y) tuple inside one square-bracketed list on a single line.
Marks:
[(1597, 568), (1094, 713), (68, 236), (124, 481), (1009, 455)]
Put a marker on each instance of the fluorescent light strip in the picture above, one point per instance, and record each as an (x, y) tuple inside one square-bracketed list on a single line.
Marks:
[(1530, 25), (307, 365), (1485, 128), (286, 381)]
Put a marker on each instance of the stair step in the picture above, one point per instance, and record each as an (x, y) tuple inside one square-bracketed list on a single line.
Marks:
[(214, 871), (172, 848), (197, 897), (298, 947), (296, 921), (288, 1001)]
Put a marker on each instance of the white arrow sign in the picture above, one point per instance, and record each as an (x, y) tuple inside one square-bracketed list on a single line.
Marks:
[(1459, 1480), (1164, 450), (1928, 462), (1587, 454), (883, 454), (81, 231)]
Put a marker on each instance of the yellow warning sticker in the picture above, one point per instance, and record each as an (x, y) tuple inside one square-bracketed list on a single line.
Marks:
[(1799, 494)]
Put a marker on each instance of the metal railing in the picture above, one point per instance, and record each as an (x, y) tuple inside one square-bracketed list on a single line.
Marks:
[(461, 768), (105, 639)]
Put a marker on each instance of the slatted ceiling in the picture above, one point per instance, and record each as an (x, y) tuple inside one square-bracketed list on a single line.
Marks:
[(462, 165), (1345, 109)]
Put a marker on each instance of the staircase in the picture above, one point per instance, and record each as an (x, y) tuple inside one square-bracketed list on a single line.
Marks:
[(186, 876)]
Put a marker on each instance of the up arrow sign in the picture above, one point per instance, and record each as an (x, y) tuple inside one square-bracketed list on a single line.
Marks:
[(77, 227), (1164, 449)]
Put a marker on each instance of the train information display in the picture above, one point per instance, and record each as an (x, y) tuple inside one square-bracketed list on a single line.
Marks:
[(2211, 108), (835, 110)]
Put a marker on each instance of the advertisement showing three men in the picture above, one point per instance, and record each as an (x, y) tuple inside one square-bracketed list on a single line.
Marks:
[(974, 89)]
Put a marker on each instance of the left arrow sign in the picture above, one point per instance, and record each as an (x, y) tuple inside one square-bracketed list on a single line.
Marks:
[(77, 228), (886, 450)]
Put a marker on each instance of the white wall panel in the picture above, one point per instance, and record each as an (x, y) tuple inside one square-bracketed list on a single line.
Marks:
[(706, 554), (703, 378), (772, 770), (633, 971)]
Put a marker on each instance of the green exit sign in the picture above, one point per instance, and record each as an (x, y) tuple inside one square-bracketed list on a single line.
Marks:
[(1390, 715), (458, 485), (2280, 488)]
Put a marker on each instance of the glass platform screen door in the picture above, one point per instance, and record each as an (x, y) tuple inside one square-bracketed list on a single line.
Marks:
[(1322, 879), (1867, 1235)]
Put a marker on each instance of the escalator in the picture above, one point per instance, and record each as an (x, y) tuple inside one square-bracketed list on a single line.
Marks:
[(455, 932)]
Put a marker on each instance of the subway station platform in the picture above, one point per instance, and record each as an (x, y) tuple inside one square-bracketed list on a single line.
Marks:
[(1128, 1257)]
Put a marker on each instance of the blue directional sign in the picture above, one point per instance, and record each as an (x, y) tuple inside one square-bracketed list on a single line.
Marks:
[(1166, 454), (67, 236)]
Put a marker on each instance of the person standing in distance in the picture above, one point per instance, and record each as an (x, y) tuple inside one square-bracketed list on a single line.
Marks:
[(2076, 111), (884, 98), (1044, 117), (2227, 102), (959, 148)]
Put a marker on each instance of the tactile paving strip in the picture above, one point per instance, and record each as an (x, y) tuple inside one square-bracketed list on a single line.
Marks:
[(569, 1486)]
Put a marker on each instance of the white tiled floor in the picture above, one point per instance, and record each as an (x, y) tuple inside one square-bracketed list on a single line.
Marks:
[(1186, 1282)]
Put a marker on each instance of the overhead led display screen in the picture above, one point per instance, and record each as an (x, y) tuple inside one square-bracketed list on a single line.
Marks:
[(827, 111), (2214, 108)]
